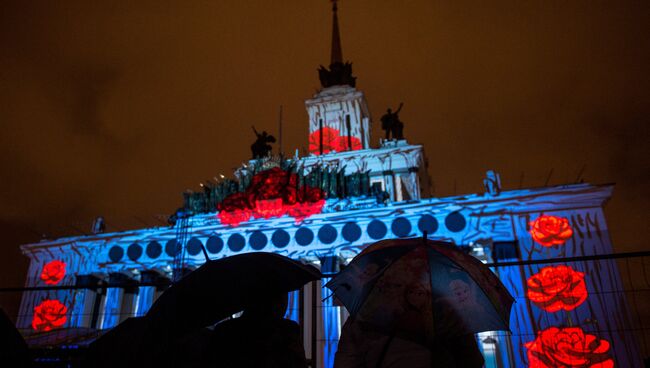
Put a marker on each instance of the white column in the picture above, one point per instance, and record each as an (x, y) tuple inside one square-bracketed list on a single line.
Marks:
[(84, 301), (129, 304), (112, 306)]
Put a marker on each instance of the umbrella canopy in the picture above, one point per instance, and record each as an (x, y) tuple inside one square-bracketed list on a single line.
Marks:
[(220, 288), (422, 289)]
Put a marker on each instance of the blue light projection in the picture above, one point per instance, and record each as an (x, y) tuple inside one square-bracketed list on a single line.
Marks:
[(236, 242), (455, 222), (134, 251), (154, 250), (293, 306), (304, 236), (116, 253), (331, 323), (377, 229), (172, 247), (194, 246), (83, 298), (258, 240), (351, 232), (280, 238), (428, 224), (112, 307), (145, 300), (327, 234), (401, 227), (214, 244)]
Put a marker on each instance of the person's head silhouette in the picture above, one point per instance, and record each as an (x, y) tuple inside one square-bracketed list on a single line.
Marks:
[(274, 306)]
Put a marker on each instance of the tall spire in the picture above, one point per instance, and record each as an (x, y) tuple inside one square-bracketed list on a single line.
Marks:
[(337, 53), (340, 72)]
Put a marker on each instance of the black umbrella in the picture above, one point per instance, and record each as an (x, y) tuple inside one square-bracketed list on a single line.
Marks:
[(135, 343), (172, 333), (120, 346), (220, 288)]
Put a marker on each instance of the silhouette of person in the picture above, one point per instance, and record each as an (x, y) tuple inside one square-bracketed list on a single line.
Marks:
[(365, 346), (261, 337)]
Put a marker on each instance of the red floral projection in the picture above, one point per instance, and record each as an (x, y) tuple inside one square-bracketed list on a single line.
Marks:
[(53, 272), (267, 208), (301, 211), (568, 347), (332, 141), (272, 193), (550, 230), (557, 288), (48, 315)]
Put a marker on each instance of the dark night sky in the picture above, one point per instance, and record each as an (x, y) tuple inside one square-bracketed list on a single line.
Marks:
[(115, 109)]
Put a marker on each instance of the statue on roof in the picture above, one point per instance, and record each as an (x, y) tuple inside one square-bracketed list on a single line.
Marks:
[(338, 74), (99, 226), (261, 147), (492, 183), (391, 124)]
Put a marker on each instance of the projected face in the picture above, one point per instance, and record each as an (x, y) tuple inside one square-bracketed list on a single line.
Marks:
[(460, 292), (416, 297)]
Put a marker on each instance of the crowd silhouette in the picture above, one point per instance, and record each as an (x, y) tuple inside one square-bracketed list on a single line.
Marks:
[(407, 309)]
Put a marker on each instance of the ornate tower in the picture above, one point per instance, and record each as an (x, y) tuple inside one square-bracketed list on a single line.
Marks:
[(339, 119)]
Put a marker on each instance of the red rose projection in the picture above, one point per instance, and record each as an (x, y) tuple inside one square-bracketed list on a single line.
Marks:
[(272, 193), (550, 230), (557, 288), (53, 272), (48, 315), (332, 141), (568, 347)]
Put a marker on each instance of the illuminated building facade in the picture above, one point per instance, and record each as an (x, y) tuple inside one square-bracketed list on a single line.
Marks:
[(326, 207)]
